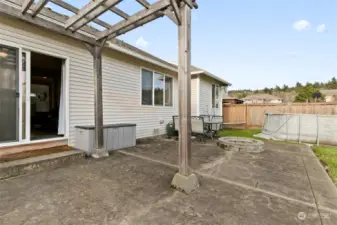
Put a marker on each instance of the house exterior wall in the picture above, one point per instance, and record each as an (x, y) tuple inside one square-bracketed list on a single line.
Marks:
[(121, 80), (330, 98), (194, 96), (205, 107), (276, 101)]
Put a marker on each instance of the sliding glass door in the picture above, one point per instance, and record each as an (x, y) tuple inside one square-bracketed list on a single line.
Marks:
[(32, 96), (14, 74), (9, 94)]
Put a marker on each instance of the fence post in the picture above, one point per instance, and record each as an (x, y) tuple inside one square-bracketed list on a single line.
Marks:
[(317, 129), (246, 114), (286, 127), (299, 128)]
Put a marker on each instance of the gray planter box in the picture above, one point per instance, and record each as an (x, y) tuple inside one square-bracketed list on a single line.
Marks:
[(116, 136)]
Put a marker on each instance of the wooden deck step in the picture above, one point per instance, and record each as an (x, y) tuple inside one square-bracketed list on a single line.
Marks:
[(20, 148), (34, 153), (38, 163)]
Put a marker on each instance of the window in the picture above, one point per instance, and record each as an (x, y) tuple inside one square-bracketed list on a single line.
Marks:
[(215, 96), (168, 91), (147, 86), (157, 89)]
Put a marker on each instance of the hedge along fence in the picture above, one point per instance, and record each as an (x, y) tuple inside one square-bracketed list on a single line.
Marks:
[(253, 115), (308, 128)]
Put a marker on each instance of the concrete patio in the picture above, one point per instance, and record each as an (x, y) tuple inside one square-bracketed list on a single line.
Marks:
[(285, 184)]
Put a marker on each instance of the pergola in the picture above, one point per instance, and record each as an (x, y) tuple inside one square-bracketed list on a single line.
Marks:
[(76, 26)]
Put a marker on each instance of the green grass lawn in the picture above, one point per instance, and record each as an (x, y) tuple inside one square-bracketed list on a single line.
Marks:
[(248, 133), (328, 156)]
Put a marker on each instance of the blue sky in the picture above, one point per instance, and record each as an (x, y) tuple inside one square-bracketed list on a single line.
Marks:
[(250, 43)]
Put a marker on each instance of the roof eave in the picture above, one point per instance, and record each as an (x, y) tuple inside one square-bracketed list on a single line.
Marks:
[(199, 72)]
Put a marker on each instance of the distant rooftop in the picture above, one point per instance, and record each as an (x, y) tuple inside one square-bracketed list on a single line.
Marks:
[(329, 92), (262, 96)]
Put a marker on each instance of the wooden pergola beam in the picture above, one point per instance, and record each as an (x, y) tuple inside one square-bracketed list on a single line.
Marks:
[(143, 22), (37, 21), (38, 7), (26, 5), (153, 9), (83, 12), (75, 10), (144, 3), (176, 11), (168, 12), (95, 13)]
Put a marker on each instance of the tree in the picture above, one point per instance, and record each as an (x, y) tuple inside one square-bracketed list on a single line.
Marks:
[(277, 88), (267, 90), (332, 84), (309, 93), (285, 88), (316, 85), (299, 85)]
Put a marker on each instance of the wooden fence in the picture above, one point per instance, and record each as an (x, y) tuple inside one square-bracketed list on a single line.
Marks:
[(253, 115)]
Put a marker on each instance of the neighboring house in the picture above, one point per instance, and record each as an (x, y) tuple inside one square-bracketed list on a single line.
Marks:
[(262, 99), (206, 92), (47, 87), (231, 100), (330, 95)]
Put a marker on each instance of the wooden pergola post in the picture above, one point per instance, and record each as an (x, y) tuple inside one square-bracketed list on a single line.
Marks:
[(96, 52), (185, 180)]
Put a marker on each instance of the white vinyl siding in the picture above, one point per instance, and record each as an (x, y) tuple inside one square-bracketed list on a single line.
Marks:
[(194, 97), (121, 96), (121, 82), (206, 97)]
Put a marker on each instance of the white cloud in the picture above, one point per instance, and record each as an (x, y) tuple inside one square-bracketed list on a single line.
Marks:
[(321, 28), (301, 25), (141, 42)]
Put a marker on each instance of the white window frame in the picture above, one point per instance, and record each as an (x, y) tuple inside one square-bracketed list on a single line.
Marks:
[(216, 100), (153, 98)]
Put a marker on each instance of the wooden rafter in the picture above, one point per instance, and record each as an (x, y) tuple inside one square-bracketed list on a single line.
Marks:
[(8, 10), (83, 12), (95, 13), (75, 10), (143, 14), (119, 12), (144, 3), (26, 5), (38, 7), (94, 9)]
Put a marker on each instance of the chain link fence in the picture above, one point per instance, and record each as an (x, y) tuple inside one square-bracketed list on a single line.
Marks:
[(307, 128)]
